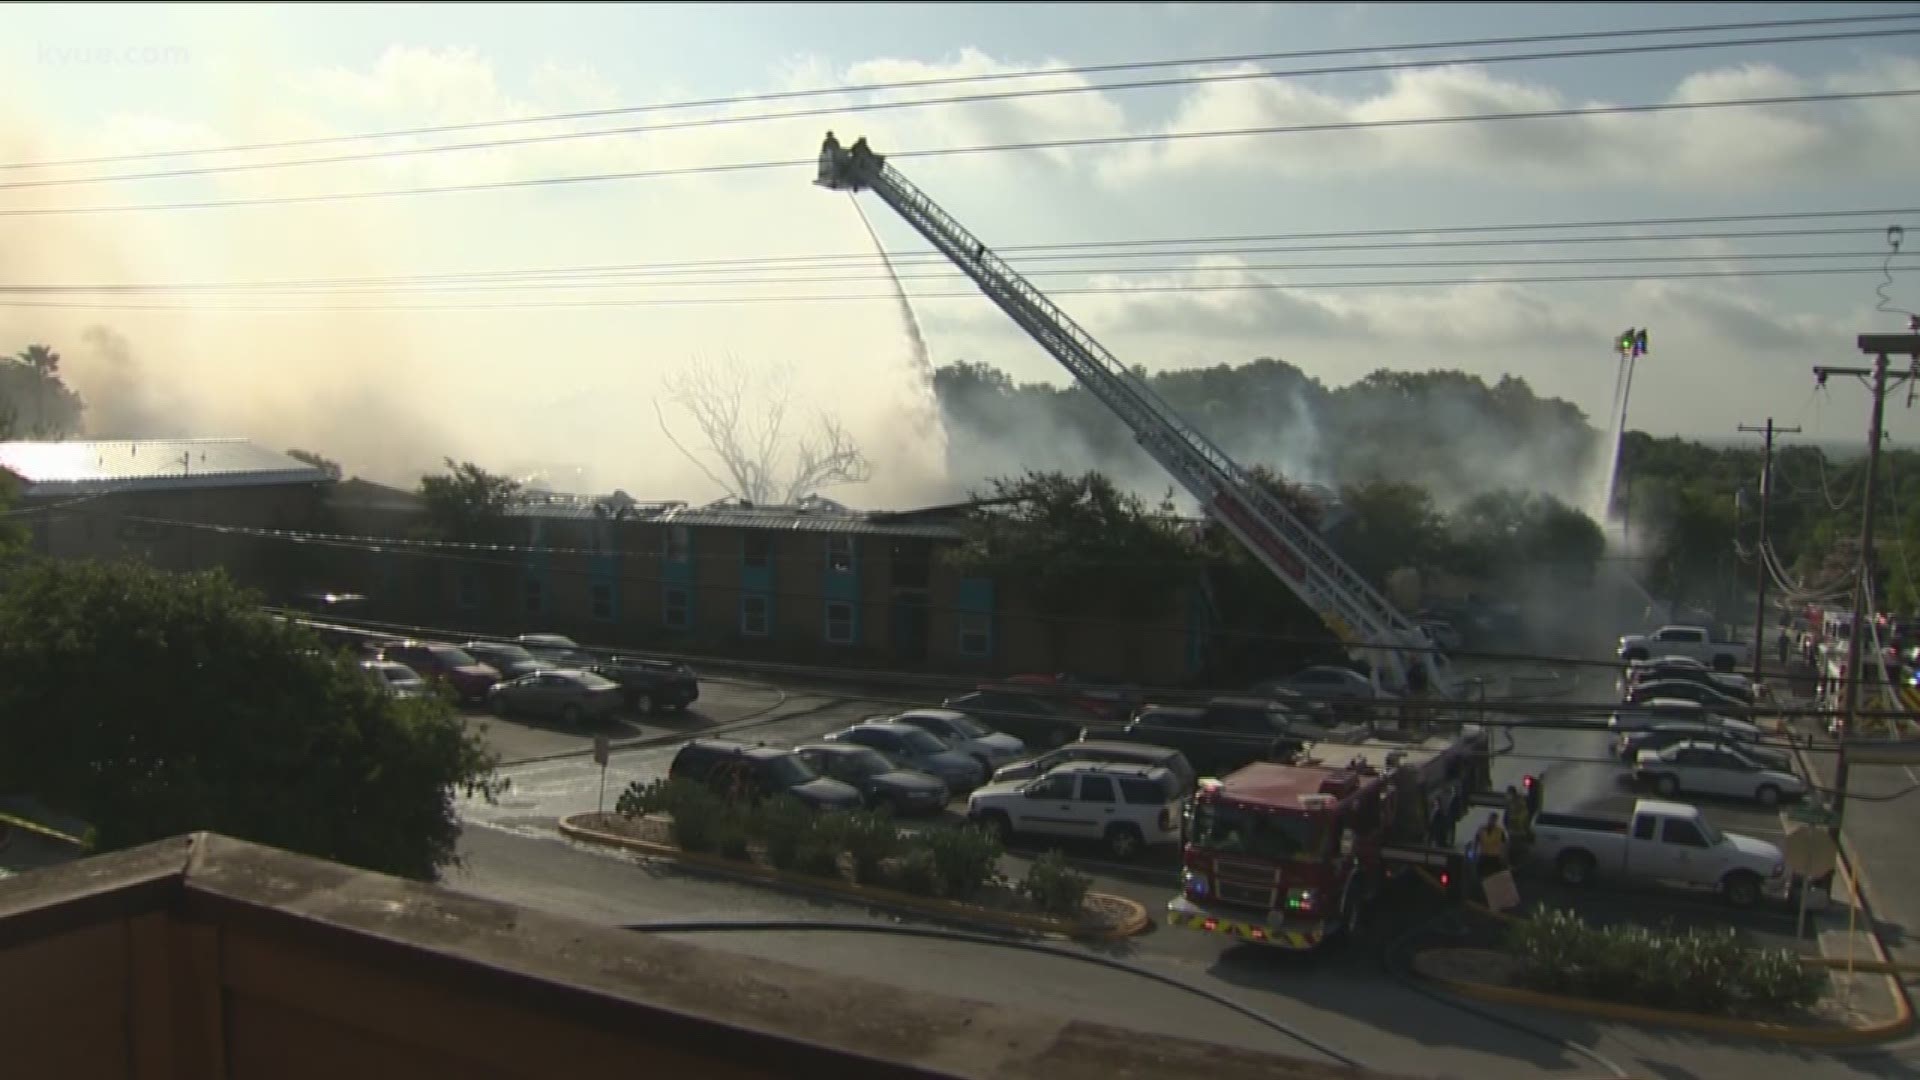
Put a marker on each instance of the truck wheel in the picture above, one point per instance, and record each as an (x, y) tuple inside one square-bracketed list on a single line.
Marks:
[(1741, 888), (999, 826), (1574, 868), (1768, 795), (1123, 841), (1668, 785)]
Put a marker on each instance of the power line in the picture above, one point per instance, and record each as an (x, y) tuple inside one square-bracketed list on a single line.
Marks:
[(689, 301), (880, 106), (573, 280), (1045, 253), (954, 80), (1037, 144)]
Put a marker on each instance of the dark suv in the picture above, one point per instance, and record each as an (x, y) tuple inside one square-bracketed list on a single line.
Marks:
[(760, 772)]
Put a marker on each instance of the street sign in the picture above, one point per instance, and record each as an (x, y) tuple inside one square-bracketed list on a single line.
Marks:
[(602, 750), (1810, 852)]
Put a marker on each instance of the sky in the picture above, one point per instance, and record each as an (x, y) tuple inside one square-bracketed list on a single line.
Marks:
[(374, 356)]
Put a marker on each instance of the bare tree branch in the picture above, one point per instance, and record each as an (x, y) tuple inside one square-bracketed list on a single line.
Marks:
[(747, 432), (688, 454)]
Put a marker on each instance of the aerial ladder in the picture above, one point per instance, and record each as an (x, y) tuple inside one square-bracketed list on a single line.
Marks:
[(1397, 650)]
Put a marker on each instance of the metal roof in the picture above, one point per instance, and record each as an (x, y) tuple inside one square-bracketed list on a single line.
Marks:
[(816, 515), (86, 468)]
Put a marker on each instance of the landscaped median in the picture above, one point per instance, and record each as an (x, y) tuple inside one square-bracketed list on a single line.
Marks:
[(944, 872), (1705, 980)]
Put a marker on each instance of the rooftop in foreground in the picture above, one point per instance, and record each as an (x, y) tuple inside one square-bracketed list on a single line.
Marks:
[(203, 956)]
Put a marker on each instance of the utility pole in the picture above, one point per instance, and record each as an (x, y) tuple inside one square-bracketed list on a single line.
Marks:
[(1760, 543), (1879, 346)]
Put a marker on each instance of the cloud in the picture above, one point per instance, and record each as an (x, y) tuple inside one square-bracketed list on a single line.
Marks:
[(1719, 147)]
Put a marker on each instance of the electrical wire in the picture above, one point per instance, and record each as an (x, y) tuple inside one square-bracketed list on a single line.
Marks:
[(990, 77), (1894, 235), (877, 106), (1086, 142), (622, 280), (969, 294), (782, 926)]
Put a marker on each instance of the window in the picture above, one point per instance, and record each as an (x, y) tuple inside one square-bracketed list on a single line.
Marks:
[(1675, 831), (676, 610), (679, 543), (536, 596), (976, 633), (1643, 827), (1148, 792), (469, 591), (1053, 787), (753, 616), (1096, 789), (603, 602), (758, 550), (839, 622), (840, 554)]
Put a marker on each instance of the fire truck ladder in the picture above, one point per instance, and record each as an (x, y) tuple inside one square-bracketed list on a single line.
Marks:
[(1364, 621)]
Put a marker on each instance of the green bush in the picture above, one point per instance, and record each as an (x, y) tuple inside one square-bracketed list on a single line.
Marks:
[(699, 817), (1054, 887), (914, 872), (818, 860), (965, 859), (738, 826), (640, 799), (784, 824), (1705, 971), (869, 839)]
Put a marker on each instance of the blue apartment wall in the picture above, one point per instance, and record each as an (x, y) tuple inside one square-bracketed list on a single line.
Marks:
[(757, 581), (841, 586), (603, 569), (678, 574), (974, 596)]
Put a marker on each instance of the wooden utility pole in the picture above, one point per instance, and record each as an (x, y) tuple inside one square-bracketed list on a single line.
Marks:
[(1760, 543), (1879, 346)]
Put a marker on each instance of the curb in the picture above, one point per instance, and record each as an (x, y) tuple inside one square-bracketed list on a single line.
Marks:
[(1751, 1029), (1136, 923)]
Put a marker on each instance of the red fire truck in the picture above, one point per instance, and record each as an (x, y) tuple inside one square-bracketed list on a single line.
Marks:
[(1291, 854)]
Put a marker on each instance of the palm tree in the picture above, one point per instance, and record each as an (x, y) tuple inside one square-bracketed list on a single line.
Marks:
[(40, 358)]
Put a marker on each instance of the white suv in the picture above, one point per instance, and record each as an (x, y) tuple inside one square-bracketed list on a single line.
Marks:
[(1125, 807)]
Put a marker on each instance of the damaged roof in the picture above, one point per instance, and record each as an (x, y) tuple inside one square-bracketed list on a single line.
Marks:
[(89, 468)]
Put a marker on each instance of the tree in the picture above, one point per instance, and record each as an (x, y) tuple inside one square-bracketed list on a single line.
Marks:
[(12, 535), (326, 465), (467, 502), (152, 704), (34, 402), (760, 461)]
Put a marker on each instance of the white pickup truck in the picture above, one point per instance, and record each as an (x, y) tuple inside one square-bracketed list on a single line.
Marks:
[(1663, 843), (1690, 641)]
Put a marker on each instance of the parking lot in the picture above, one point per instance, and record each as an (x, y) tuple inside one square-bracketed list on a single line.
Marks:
[(520, 739)]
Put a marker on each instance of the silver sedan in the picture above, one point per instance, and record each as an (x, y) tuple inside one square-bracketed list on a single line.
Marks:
[(574, 697)]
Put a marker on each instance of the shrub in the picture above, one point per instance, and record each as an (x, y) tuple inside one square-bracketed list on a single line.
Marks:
[(640, 799), (737, 826), (699, 817), (914, 872), (784, 824), (1054, 887), (1706, 971), (869, 839), (965, 859), (818, 860)]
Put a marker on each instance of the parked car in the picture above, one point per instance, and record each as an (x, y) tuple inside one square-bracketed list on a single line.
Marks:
[(961, 732), (1312, 710), (881, 781), (1125, 807), (1119, 753), (1710, 730), (1705, 768), (1032, 718), (1691, 641), (1218, 737), (396, 678), (1108, 699), (1648, 714), (457, 668), (1686, 669), (1327, 682), (1684, 690), (1661, 843), (556, 649), (917, 749), (511, 661), (759, 772), (568, 694), (651, 685)]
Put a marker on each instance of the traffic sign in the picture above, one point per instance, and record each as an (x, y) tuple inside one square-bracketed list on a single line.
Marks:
[(1809, 851), (602, 749)]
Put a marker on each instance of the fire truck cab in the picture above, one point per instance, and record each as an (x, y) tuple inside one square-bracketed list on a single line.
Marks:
[(1290, 855)]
